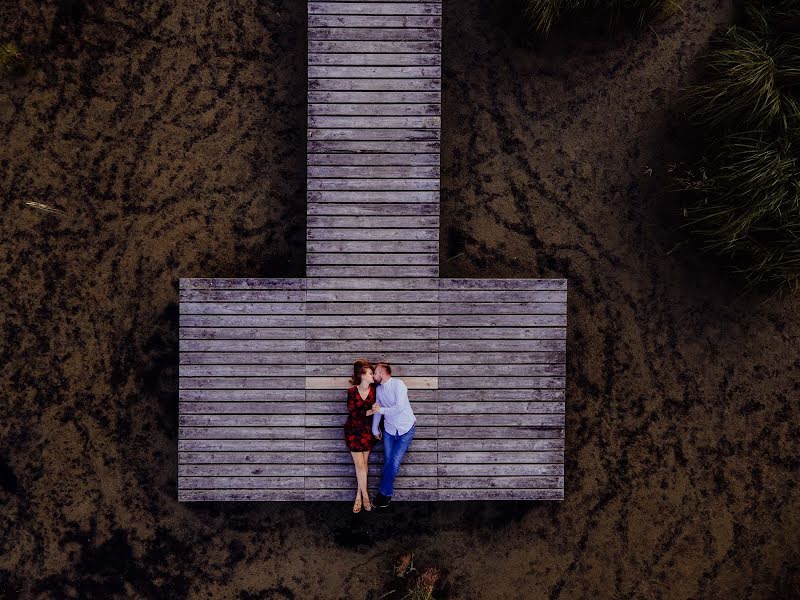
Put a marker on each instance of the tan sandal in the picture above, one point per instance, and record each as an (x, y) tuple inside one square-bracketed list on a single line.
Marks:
[(368, 507), (357, 505)]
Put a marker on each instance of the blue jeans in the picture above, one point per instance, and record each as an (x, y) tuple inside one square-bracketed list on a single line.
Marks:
[(394, 447)]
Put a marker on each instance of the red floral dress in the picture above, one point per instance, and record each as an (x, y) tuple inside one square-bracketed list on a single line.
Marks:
[(358, 426)]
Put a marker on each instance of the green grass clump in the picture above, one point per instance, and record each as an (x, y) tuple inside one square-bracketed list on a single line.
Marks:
[(745, 188), (544, 14)]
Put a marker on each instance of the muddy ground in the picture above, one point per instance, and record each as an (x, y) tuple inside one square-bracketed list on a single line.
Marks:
[(172, 134)]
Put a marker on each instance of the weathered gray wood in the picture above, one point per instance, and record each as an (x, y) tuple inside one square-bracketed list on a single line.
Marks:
[(205, 395), (511, 445), (229, 420), (409, 259), (370, 224), (379, 271), (426, 296), (500, 494), (387, 308), (236, 283), (516, 482), (238, 345), (374, 84), (499, 297), (258, 483), (370, 320), (246, 308), (376, 283), (374, 122), (418, 184), (353, 246), (385, 159), (394, 209), (501, 333), (369, 197), (495, 470), (270, 296), (374, 33), (390, 233), (511, 345), (505, 358), (498, 371), (237, 358), (242, 495), (359, 97), (404, 21), (225, 433), (373, 46), (375, 8), (499, 457), (376, 59), (503, 284)]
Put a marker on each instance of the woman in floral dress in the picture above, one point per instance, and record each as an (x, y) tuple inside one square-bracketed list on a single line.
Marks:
[(358, 427)]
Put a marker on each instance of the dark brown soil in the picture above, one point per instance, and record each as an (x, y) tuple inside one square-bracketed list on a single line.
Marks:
[(172, 134)]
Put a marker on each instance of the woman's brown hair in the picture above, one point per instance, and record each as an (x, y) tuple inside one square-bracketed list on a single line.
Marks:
[(361, 365)]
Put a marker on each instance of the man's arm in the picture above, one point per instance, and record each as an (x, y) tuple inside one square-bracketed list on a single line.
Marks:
[(376, 425), (399, 406)]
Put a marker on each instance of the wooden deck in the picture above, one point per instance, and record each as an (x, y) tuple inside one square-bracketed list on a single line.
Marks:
[(264, 363)]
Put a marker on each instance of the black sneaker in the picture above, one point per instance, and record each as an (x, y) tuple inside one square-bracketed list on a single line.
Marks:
[(381, 501)]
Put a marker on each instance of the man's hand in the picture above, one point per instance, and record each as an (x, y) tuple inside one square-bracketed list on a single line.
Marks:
[(378, 435), (374, 409)]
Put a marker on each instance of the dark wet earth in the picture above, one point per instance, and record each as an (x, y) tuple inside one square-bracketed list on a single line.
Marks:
[(172, 135)]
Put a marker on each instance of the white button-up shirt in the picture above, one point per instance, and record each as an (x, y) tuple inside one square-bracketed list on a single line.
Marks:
[(398, 417)]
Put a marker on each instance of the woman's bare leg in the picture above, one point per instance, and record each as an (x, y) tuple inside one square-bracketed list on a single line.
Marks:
[(357, 462), (364, 489)]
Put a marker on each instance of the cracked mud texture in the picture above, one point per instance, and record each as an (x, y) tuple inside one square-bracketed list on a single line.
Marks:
[(172, 134)]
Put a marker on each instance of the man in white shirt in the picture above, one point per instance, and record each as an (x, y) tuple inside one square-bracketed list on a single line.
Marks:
[(399, 424)]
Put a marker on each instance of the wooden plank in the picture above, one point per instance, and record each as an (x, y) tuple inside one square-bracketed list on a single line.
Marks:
[(467, 372), (217, 483), (498, 345), (237, 308), (371, 320), (502, 333), (255, 320), (243, 470), (282, 336), (511, 445), (426, 297), (394, 209), (285, 456), (249, 420), (516, 482), (409, 259), (373, 223), (370, 197), (513, 419), (387, 246), (375, 345), (501, 394), (346, 495), (376, 283), (462, 297), (500, 469), (340, 383), (499, 457), (495, 320), (225, 433), (382, 159), (386, 308), (256, 408), (386, 333), (374, 8), (390, 233), (449, 359), (501, 494), (237, 283), (374, 59), (408, 370), (239, 345), (375, 84), (468, 383), (372, 184), (239, 358), (232, 383), (506, 308), (379, 271), (503, 284), (373, 46), (228, 447), (276, 395), (375, 33), (422, 449), (271, 296), (499, 432), (230, 370), (374, 21), (375, 122), (241, 495)]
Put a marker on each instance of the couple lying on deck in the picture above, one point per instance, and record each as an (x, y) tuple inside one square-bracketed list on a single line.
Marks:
[(376, 393)]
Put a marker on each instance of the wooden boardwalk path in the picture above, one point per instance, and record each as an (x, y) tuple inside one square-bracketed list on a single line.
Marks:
[(264, 363)]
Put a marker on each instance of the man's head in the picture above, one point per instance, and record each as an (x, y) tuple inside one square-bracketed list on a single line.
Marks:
[(383, 372)]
